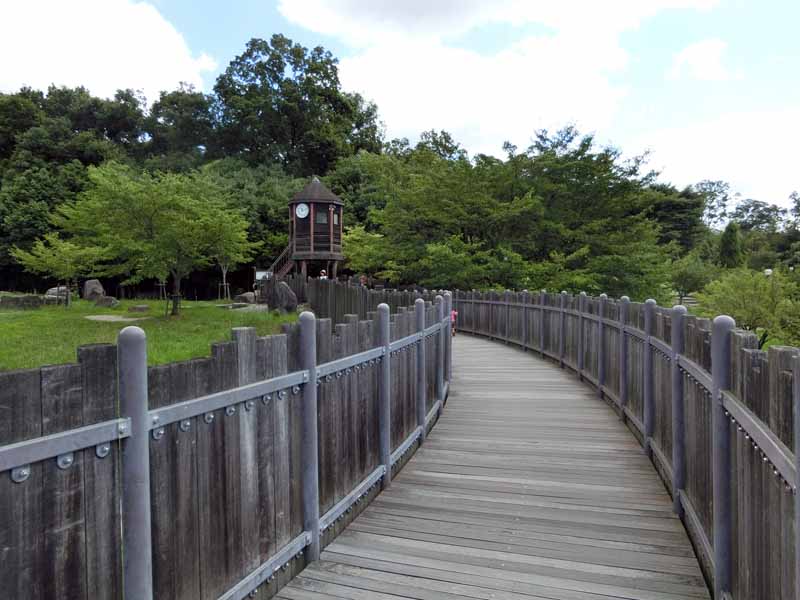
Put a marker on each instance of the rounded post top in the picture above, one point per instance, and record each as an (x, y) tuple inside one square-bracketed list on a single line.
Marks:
[(625, 299), (439, 298), (723, 323), (131, 335), (419, 303), (307, 317), (650, 302), (583, 294), (383, 308), (563, 292), (679, 309), (603, 296)]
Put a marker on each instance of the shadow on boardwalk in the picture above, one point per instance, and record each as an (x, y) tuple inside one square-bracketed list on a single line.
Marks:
[(528, 487)]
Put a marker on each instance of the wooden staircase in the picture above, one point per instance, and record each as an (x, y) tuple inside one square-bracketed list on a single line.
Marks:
[(283, 264)]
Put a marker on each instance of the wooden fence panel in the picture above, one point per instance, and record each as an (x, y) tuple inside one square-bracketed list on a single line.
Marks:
[(662, 403), (611, 357), (59, 532)]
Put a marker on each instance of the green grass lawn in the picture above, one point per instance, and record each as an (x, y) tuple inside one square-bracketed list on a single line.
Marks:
[(52, 334)]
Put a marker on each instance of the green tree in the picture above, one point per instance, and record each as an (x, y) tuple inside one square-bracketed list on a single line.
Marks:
[(690, 274), (731, 254), (754, 215), (716, 198), (154, 226), (228, 243), (181, 128), (366, 253), (279, 102), (261, 195), (61, 259), (758, 301), (17, 114)]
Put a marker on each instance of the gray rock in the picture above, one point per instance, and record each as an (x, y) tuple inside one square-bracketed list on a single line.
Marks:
[(106, 302), (280, 296), (139, 308), (93, 289), (57, 292), (247, 297), (23, 302)]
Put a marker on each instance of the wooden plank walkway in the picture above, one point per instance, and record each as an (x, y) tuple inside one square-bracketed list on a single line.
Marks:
[(528, 487)]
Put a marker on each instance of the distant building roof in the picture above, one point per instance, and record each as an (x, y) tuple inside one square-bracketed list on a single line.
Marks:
[(316, 192)]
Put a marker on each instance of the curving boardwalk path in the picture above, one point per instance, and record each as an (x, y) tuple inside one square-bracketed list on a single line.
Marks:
[(528, 487)]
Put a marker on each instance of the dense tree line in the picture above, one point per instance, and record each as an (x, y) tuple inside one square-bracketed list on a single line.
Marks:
[(277, 114), (563, 213)]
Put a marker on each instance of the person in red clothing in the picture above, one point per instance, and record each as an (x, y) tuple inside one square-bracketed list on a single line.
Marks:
[(453, 315)]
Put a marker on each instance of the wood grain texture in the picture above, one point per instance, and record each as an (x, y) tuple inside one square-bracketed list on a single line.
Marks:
[(528, 487)]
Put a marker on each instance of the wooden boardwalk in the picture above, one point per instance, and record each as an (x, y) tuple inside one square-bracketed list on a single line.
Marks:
[(528, 487)]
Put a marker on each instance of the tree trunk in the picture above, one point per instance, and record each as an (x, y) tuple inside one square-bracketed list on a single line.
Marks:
[(176, 293), (226, 293)]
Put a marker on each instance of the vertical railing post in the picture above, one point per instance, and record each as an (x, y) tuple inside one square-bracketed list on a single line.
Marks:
[(796, 424), (440, 349), (448, 310), (419, 311), (581, 351), (647, 375), (562, 327), (507, 300), (384, 396), (310, 448), (473, 311), (136, 540), (542, 302), (524, 316), (678, 431), (601, 344), (721, 453), (624, 309)]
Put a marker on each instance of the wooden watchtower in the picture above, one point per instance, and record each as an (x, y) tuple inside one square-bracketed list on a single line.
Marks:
[(315, 232)]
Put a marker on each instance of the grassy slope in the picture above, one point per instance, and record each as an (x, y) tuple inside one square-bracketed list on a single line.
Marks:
[(51, 334)]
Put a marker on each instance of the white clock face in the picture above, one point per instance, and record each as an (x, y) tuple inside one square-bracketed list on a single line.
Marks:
[(301, 210)]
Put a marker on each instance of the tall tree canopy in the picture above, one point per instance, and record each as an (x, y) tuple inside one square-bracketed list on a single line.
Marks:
[(279, 102)]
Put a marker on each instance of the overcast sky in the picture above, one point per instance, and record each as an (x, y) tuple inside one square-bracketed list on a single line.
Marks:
[(709, 87)]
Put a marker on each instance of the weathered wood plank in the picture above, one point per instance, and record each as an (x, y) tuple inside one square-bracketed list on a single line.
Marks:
[(101, 477), (528, 485), (64, 501), (21, 535)]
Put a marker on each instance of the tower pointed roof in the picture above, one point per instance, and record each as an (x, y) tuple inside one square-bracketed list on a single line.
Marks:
[(315, 191)]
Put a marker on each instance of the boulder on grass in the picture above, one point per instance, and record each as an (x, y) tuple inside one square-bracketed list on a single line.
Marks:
[(106, 302), (93, 289), (280, 296), (57, 292), (247, 297), (139, 308), (22, 302)]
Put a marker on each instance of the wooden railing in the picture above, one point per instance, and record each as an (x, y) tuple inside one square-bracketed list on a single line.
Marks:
[(717, 416), (283, 264), (212, 478)]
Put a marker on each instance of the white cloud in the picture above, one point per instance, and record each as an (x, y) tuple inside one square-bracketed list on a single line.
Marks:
[(702, 61), (366, 22), (754, 151), (405, 59), (101, 44)]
